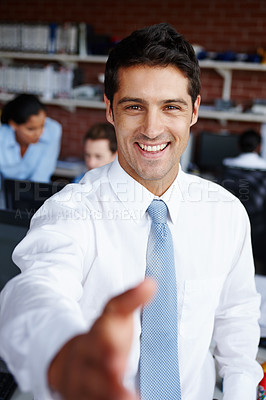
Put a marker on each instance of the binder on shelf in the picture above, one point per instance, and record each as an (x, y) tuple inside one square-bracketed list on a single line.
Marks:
[(52, 38), (82, 39), (72, 39), (48, 81), (9, 37), (66, 38), (40, 38)]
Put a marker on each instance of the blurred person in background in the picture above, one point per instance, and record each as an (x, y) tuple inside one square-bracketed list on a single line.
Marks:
[(100, 146), (249, 144), (29, 140)]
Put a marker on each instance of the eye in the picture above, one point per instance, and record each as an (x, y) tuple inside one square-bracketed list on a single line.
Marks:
[(172, 107), (134, 107)]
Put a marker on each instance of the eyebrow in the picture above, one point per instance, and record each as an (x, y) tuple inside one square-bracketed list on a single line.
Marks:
[(132, 100), (141, 101)]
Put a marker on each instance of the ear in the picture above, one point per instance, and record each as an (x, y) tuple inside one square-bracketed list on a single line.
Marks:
[(109, 112), (195, 111)]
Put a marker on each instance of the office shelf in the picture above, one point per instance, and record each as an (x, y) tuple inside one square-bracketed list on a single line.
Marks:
[(237, 65), (66, 103), (232, 116), (233, 65), (61, 58), (224, 68)]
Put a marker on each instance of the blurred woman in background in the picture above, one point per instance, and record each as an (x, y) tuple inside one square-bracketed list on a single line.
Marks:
[(29, 140)]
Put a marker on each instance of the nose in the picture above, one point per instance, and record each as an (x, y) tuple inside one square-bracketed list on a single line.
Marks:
[(35, 135), (153, 123), (92, 163)]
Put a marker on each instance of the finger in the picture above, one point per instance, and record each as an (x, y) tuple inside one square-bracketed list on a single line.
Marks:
[(128, 301)]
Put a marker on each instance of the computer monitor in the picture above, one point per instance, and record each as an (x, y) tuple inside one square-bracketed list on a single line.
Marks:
[(13, 227), (28, 196), (214, 147)]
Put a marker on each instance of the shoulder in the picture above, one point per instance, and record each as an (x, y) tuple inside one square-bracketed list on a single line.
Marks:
[(230, 161), (52, 128), (4, 130), (212, 202), (261, 161), (204, 189), (7, 137), (78, 178)]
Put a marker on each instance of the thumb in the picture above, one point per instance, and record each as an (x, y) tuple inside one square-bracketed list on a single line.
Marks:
[(120, 310), (127, 302)]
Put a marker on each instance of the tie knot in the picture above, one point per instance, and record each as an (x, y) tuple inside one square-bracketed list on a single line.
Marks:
[(158, 211)]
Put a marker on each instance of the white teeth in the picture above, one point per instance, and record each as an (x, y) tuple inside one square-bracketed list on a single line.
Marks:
[(152, 148)]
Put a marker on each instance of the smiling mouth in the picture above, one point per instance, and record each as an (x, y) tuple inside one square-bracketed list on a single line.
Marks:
[(154, 148)]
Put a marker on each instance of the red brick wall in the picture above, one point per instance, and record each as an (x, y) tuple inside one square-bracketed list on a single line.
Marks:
[(217, 25)]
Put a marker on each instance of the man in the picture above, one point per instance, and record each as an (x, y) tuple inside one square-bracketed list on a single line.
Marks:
[(88, 244), (249, 145), (100, 146)]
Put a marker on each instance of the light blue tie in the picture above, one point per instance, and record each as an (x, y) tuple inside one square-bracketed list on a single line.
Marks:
[(159, 370)]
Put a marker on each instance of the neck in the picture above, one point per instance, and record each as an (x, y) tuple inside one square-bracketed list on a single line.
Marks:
[(23, 149), (158, 188)]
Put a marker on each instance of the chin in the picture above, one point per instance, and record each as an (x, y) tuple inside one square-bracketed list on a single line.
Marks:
[(151, 175)]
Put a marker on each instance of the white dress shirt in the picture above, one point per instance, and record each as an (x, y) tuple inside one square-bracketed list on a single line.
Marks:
[(88, 243), (246, 160)]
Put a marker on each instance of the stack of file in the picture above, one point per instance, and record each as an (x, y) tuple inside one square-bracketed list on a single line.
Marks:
[(48, 81), (34, 37), (39, 38), (10, 37)]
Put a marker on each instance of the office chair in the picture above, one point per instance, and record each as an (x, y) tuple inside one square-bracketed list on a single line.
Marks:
[(249, 186)]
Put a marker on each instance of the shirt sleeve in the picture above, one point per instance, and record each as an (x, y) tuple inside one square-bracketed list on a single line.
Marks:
[(40, 309), (236, 332), (51, 149)]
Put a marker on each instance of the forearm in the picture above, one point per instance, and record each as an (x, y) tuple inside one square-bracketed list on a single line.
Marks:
[(40, 308), (33, 328)]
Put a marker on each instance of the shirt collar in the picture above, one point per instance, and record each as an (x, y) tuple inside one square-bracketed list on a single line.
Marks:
[(136, 198), (10, 136), (173, 196), (45, 137)]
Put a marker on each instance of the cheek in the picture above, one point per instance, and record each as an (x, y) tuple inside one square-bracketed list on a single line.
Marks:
[(28, 134), (25, 136), (181, 128)]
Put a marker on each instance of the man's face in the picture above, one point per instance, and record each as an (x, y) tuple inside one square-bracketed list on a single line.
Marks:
[(31, 130), (152, 115), (97, 153)]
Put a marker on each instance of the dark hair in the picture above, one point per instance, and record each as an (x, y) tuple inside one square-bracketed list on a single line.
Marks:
[(249, 140), (102, 131), (157, 45), (21, 108)]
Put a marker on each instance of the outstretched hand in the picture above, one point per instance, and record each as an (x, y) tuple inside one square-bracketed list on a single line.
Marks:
[(91, 366)]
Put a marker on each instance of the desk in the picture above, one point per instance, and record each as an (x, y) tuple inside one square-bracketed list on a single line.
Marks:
[(68, 170), (18, 395)]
